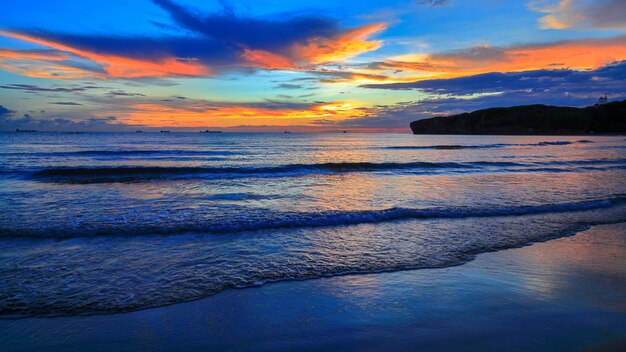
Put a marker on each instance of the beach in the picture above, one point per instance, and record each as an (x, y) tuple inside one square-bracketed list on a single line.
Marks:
[(564, 294), (425, 175), (269, 242)]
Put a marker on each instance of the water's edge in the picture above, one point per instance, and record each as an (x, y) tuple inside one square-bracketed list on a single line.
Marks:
[(466, 257)]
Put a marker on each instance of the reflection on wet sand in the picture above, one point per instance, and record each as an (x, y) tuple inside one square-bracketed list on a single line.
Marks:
[(559, 295), (581, 267)]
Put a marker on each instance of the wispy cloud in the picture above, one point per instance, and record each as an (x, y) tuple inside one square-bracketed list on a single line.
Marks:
[(8, 122), (48, 63), (181, 113), (549, 83), (582, 14), (574, 54), (214, 43), (433, 2), (5, 113), (121, 93), (70, 103), (198, 113), (456, 95), (31, 88)]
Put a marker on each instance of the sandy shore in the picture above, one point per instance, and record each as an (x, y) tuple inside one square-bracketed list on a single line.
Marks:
[(562, 295)]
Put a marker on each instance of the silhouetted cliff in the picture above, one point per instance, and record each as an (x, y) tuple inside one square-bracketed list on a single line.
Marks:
[(530, 119)]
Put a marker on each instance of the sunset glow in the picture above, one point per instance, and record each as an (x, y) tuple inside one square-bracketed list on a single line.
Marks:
[(252, 68), (297, 175)]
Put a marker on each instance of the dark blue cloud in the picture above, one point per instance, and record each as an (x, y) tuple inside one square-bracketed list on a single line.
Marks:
[(289, 86), (67, 90), (608, 79), (31, 88), (121, 93), (70, 103), (465, 94), (205, 49), (217, 40), (433, 2), (7, 123), (266, 34), (4, 112), (76, 121)]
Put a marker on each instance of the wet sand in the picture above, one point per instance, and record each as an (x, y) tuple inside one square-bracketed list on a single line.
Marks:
[(561, 295)]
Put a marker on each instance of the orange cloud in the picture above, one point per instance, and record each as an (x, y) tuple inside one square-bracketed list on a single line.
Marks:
[(33, 54), (588, 14), (559, 16), (577, 54), (345, 46), (299, 56), (124, 67), (354, 76), (318, 50), (589, 54), (265, 59), (199, 115), (41, 64)]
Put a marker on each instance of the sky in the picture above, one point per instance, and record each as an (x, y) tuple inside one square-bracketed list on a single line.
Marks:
[(309, 66)]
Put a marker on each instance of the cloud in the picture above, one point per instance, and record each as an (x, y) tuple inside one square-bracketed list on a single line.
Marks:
[(71, 103), (450, 96), (334, 76), (143, 112), (199, 113), (433, 2), (121, 93), (70, 89), (585, 14), (48, 64), (61, 124), (548, 82), (213, 43), (278, 43), (574, 54), (30, 88), (116, 57), (4, 112), (322, 50), (290, 86)]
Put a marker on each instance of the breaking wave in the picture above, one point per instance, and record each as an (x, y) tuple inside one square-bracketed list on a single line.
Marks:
[(488, 146), (140, 173), (258, 219)]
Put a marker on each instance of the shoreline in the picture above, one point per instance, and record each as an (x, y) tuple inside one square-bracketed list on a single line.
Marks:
[(414, 309), (408, 131), (464, 259)]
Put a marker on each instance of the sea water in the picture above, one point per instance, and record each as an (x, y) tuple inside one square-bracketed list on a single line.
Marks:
[(111, 222)]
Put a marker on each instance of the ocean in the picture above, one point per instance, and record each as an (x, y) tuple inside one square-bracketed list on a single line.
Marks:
[(99, 223)]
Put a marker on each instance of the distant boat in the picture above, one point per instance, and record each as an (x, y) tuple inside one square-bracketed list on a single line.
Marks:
[(345, 131), (74, 132), (18, 130), (165, 131), (138, 131), (287, 131), (209, 131)]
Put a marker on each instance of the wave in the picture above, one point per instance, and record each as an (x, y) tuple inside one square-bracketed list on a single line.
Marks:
[(445, 147), (551, 143), (141, 173), (53, 278), (266, 220), (125, 152), (113, 174), (240, 196), (488, 146), (156, 152)]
